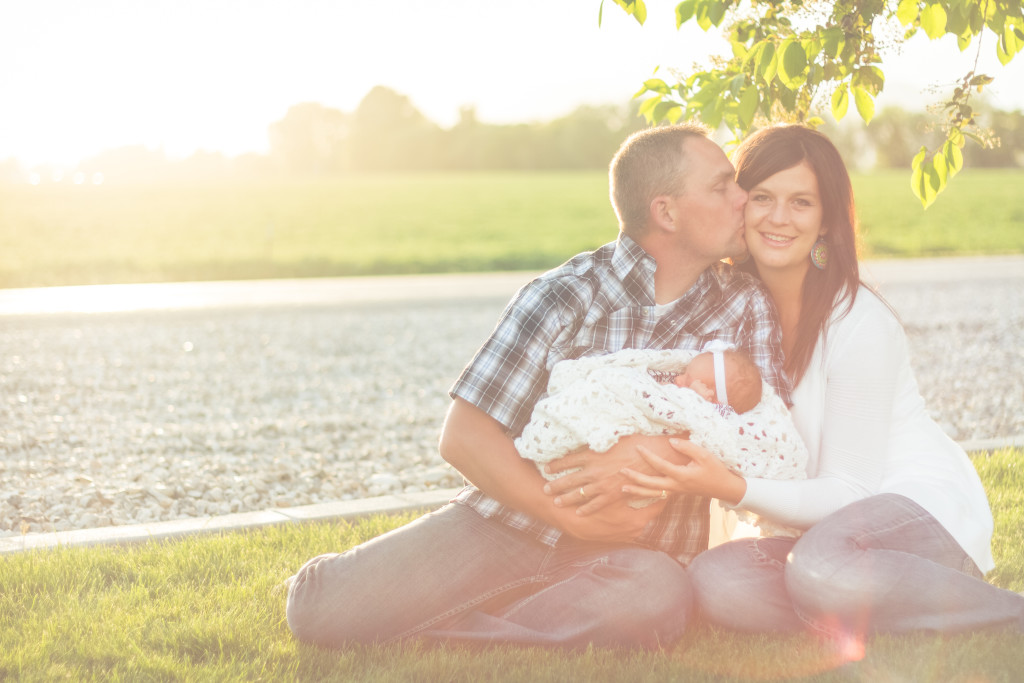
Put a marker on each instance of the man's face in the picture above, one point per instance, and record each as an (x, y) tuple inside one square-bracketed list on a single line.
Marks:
[(710, 205)]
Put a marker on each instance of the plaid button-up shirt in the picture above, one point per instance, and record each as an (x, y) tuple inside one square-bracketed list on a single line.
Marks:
[(600, 302)]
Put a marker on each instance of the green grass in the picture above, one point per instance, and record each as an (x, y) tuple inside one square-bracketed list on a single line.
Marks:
[(212, 608), (412, 223)]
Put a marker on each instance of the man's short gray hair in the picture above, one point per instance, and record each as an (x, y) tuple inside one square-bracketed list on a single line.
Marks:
[(648, 164)]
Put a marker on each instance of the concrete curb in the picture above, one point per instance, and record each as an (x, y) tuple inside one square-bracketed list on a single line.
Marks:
[(140, 533), (341, 510)]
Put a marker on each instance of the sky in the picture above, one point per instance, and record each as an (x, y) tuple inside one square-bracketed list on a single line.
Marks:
[(185, 75)]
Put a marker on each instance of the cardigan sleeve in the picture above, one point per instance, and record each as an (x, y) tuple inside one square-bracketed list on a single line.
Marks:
[(863, 355)]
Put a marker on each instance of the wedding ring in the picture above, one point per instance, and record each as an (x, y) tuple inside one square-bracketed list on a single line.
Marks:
[(664, 494), (583, 494)]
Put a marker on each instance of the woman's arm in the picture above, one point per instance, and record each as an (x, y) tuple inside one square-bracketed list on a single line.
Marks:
[(863, 357)]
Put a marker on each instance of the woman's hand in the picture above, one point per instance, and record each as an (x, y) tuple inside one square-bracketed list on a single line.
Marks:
[(600, 481), (701, 474)]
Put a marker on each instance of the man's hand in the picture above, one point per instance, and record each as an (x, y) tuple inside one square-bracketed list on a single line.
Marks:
[(599, 481), (614, 523)]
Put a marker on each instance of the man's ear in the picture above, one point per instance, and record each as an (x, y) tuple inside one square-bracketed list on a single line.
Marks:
[(662, 213)]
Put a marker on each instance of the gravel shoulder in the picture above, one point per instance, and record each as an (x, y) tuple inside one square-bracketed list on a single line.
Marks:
[(273, 400)]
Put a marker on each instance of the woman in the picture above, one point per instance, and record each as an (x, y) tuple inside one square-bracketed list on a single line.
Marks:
[(898, 526)]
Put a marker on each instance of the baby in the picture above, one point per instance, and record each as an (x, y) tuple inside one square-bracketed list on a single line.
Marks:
[(727, 378), (718, 397)]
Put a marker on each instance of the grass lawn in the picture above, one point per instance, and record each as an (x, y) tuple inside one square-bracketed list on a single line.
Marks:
[(412, 223), (212, 608)]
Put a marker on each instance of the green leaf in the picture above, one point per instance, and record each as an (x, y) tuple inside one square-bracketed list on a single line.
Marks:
[(954, 157), (812, 48), (748, 107), (701, 15), (835, 39), (736, 84), (907, 12), (657, 85), (840, 101), (640, 11), (865, 105), (684, 11), (716, 12), (956, 137), (924, 181), (1002, 55), (933, 20), (940, 167), (667, 111), (635, 8), (646, 108), (711, 113), (794, 61), (1010, 41), (768, 65)]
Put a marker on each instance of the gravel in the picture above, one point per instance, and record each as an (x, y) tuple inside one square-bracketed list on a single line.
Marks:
[(112, 419)]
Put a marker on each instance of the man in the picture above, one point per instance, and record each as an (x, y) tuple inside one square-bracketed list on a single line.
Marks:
[(504, 562)]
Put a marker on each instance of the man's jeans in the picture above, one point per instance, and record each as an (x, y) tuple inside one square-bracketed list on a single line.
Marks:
[(882, 564), (454, 575)]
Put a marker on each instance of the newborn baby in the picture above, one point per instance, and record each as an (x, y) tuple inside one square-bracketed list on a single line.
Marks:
[(593, 402)]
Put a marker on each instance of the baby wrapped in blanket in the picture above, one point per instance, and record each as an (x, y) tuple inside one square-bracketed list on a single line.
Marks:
[(717, 396)]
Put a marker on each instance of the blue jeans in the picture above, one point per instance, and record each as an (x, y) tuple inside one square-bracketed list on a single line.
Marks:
[(882, 564), (454, 575)]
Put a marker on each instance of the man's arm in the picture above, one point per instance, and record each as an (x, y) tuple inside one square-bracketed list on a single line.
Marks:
[(478, 447)]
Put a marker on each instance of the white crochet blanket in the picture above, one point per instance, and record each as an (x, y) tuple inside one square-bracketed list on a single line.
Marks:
[(593, 402)]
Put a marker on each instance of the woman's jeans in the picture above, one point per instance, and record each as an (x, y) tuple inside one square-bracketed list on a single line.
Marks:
[(454, 575), (882, 564)]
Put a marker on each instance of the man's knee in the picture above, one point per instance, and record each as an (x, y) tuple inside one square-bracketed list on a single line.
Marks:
[(317, 609), (659, 601)]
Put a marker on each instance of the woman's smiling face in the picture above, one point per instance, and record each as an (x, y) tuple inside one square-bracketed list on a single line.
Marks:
[(783, 220)]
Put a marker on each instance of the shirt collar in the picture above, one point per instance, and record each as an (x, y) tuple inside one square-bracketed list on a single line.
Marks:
[(627, 255), (635, 268)]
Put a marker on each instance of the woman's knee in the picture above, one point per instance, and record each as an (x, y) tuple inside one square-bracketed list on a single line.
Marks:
[(821, 576)]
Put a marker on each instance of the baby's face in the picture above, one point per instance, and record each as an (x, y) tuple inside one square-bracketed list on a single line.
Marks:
[(699, 376)]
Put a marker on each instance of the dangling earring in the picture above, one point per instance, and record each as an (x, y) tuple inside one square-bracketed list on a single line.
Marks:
[(740, 260), (819, 253)]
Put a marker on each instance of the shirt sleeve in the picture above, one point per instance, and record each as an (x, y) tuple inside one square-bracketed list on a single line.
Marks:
[(862, 363), (509, 372)]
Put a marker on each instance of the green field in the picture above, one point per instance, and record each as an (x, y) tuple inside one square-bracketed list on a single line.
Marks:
[(68, 234), (211, 608)]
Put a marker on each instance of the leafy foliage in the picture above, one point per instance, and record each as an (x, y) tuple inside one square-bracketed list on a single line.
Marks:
[(790, 56)]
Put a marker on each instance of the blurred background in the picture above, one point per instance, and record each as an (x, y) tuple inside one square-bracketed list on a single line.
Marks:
[(222, 139)]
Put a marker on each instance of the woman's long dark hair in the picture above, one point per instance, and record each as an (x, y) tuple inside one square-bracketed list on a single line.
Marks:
[(778, 148)]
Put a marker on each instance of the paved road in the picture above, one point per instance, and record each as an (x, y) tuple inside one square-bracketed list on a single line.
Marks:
[(963, 317), (334, 291)]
